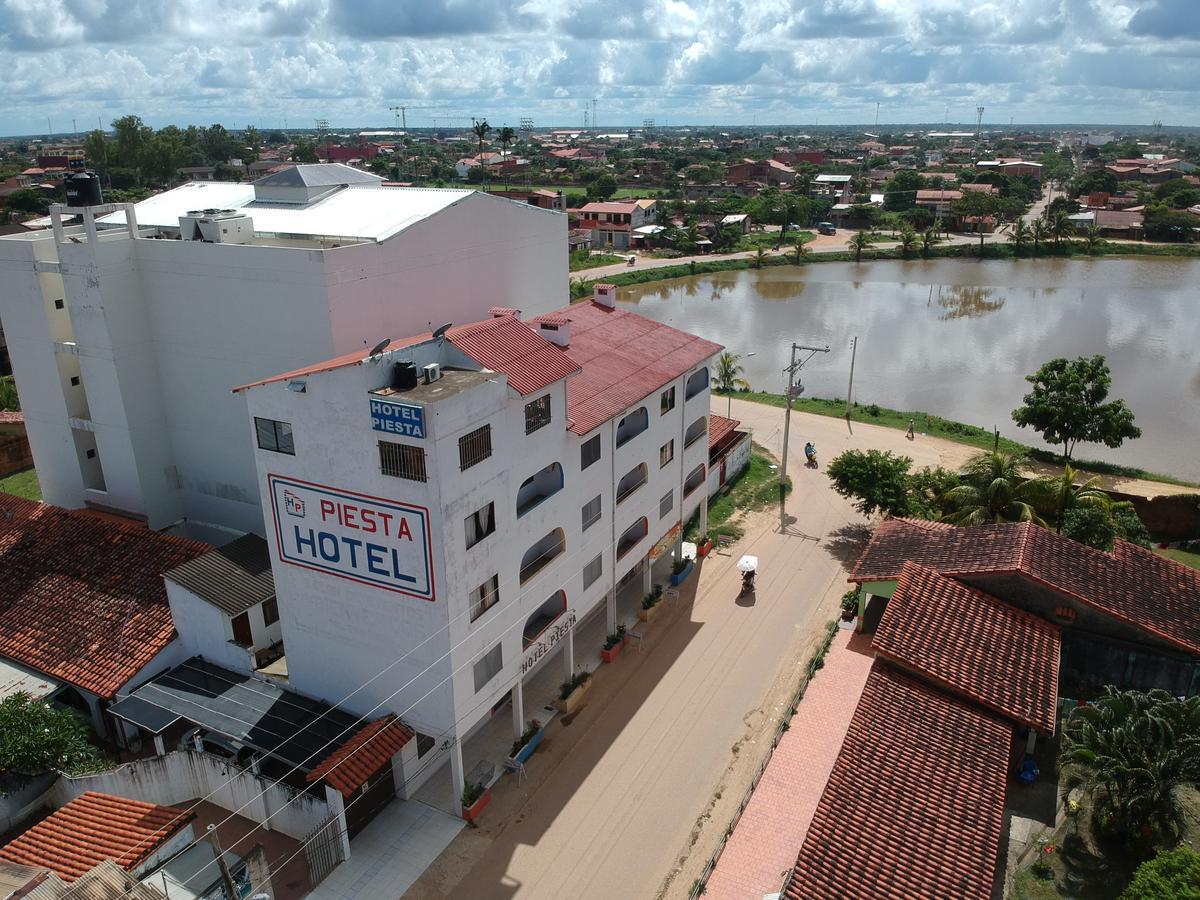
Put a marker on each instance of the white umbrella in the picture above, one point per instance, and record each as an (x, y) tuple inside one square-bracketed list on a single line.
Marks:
[(748, 564)]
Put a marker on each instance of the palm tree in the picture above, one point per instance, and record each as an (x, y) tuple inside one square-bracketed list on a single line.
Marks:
[(1062, 493), (759, 256), (1092, 237), (1018, 234), (1061, 226), (929, 237), (908, 241), (860, 242), (481, 129), (1038, 233), (1133, 750), (505, 136), (800, 252), (994, 490), (728, 377)]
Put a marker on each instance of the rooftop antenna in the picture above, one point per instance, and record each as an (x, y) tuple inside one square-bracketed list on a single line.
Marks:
[(380, 347), (978, 120), (876, 113), (441, 332)]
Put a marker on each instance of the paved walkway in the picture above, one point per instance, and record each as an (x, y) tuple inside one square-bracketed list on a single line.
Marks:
[(768, 836)]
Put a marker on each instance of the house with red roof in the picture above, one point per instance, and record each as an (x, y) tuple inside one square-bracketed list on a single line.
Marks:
[(615, 223), (450, 511)]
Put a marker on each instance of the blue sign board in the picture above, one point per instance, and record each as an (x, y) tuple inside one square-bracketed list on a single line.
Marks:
[(398, 418), (372, 540)]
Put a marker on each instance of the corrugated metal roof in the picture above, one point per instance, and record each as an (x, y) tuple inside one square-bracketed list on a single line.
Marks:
[(363, 213), (319, 175), (232, 578)]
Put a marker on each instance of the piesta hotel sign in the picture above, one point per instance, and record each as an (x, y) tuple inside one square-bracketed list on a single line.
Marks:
[(398, 418), (383, 543)]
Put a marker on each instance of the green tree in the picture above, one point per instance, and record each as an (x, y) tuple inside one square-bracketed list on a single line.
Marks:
[(1018, 235), (860, 242), (1092, 526), (799, 252), (877, 480), (96, 150), (304, 151), (760, 257), (1038, 233), (481, 129), (993, 490), (927, 489), (27, 200), (1129, 525), (1069, 404), (1133, 751), (919, 217), (900, 193), (133, 137), (602, 188), (36, 737), (908, 241), (164, 156), (1160, 223), (929, 237), (977, 205), (1060, 226), (505, 137), (1092, 238), (1063, 493), (8, 394), (219, 145), (1172, 875), (729, 376)]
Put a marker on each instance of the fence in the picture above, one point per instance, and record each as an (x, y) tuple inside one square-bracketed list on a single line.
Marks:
[(323, 849), (187, 774), (814, 663)]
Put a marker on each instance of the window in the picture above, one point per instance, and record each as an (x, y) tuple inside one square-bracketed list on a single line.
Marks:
[(474, 447), (425, 743), (274, 436), (488, 667), (667, 503), (667, 401), (480, 524), (589, 452), (592, 571), (485, 597), (242, 635), (666, 453), (537, 414), (91, 454), (270, 611), (402, 461), (632, 425), (591, 512), (74, 381), (59, 304)]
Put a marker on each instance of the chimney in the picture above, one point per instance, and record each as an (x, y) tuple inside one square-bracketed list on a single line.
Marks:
[(605, 295), (504, 312), (555, 329)]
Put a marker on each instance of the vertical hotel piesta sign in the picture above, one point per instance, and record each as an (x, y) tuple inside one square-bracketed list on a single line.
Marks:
[(382, 543)]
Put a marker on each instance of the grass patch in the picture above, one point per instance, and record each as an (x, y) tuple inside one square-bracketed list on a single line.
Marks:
[(752, 489), (22, 484), (582, 261), (1182, 556), (936, 426)]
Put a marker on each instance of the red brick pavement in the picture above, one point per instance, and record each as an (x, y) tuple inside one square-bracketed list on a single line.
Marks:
[(764, 846)]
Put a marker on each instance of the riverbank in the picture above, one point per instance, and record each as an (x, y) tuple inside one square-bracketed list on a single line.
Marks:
[(967, 248), (1118, 478)]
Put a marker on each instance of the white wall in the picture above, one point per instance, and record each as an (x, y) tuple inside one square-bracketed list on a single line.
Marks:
[(185, 775), (204, 630), (736, 460)]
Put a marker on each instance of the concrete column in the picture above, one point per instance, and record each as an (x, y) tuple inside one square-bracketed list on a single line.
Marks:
[(518, 707), (457, 779), (704, 507), (569, 654), (159, 747), (337, 807), (611, 610), (647, 576)]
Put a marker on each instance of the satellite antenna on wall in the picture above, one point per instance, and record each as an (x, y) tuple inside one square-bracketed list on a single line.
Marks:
[(441, 332), (380, 347)]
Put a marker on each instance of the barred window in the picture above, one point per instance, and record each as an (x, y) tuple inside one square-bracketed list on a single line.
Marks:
[(274, 436), (402, 461), (485, 597), (474, 447), (537, 414), (592, 571)]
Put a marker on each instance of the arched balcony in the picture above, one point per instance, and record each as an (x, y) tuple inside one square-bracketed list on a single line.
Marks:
[(631, 481), (542, 554), (631, 535), (543, 617), (695, 431), (696, 382), (694, 480), (536, 488), (632, 425)]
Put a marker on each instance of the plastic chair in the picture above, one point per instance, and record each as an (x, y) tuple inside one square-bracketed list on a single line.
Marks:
[(511, 765)]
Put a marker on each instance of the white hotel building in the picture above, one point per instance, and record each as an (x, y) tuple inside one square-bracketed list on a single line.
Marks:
[(444, 515), (127, 330)]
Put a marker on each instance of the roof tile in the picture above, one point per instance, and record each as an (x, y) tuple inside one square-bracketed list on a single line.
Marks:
[(719, 428), (349, 767)]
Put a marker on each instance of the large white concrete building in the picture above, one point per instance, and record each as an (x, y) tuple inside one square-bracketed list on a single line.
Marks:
[(444, 513), (127, 330)]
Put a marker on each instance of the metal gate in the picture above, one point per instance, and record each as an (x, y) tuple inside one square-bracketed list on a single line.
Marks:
[(323, 850)]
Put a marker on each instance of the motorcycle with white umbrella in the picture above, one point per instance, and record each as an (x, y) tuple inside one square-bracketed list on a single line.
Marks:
[(748, 566)]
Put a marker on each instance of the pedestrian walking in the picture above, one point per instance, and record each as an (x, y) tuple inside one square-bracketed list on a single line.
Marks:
[(910, 429)]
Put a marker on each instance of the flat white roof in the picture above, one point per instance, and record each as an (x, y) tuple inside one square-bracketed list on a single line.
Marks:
[(833, 179), (16, 678), (363, 213)]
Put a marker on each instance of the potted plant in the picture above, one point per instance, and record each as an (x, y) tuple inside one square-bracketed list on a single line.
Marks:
[(703, 546), (474, 799), (650, 604), (524, 746), (680, 570), (613, 644), (572, 692)]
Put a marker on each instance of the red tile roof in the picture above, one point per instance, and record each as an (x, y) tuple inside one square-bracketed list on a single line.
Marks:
[(81, 596), (973, 644), (353, 358), (506, 344), (1136, 586), (720, 428), (11, 417), (914, 806), (95, 827), (348, 767), (623, 358), (612, 207)]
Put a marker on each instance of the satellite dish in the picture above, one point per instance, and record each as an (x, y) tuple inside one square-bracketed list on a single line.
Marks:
[(441, 332), (380, 347)]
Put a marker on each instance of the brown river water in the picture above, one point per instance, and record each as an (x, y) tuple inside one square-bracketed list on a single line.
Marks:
[(956, 337)]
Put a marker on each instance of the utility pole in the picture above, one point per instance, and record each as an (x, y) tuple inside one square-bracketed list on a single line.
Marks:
[(230, 890), (850, 388), (792, 388)]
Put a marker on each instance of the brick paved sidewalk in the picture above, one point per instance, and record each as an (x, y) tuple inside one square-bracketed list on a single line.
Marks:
[(764, 846)]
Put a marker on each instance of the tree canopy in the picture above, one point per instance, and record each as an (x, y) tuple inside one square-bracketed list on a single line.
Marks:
[(36, 737), (900, 193), (1069, 404), (876, 480), (1173, 875)]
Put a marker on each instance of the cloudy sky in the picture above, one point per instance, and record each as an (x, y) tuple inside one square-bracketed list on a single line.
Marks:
[(700, 62)]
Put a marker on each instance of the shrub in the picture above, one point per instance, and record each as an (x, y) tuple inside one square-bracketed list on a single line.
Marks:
[(1174, 875), (568, 687), (471, 793), (850, 602), (873, 410), (35, 737), (533, 728)]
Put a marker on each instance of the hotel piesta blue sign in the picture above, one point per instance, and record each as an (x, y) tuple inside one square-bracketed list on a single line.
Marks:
[(398, 418), (383, 543)]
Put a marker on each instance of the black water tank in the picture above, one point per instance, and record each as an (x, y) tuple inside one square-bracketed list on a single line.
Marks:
[(83, 189), (404, 376)]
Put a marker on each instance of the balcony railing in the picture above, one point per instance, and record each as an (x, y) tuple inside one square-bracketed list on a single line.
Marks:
[(631, 536), (696, 430), (696, 383), (536, 489), (694, 480), (632, 425), (542, 554), (631, 482)]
